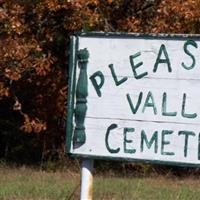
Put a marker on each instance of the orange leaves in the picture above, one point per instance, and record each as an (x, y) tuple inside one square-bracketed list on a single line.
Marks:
[(52, 4), (13, 49), (188, 9), (33, 125), (55, 5), (178, 16), (131, 24), (11, 14), (62, 101), (3, 14), (84, 3), (166, 16), (110, 1), (4, 91), (43, 64), (13, 75), (86, 15), (16, 25)]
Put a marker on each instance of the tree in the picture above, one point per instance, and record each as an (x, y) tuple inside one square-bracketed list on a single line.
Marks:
[(34, 45)]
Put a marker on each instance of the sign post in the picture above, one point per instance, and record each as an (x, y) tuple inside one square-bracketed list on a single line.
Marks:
[(86, 179), (134, 97)]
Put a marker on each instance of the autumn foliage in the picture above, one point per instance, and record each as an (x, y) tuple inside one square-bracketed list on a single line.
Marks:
[(34, 50)]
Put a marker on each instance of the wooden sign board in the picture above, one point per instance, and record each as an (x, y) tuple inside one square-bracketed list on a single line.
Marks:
[(135, 97)]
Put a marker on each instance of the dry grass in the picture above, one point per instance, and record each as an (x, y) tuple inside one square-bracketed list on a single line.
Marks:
[(29, 184), (160, 187)]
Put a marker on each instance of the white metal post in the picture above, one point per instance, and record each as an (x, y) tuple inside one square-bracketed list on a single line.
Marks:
[(86, 179)]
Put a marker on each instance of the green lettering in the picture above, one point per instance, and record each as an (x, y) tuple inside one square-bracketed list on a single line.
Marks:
[(185, 47), (186, 115), (111, 127), (160, 60), (117, 82), (186, 134), (154, 139), (134, 109), (96, 85), (135, 66), (164, 142), (149, 102), (164, 107), (128, 130)]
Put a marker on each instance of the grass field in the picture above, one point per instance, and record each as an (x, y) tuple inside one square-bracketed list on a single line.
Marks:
[(28, 184)]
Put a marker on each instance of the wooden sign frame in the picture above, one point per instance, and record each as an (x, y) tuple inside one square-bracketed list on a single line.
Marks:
[(78, 93)]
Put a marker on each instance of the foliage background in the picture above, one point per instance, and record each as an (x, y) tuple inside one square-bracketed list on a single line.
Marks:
[(34, 50)]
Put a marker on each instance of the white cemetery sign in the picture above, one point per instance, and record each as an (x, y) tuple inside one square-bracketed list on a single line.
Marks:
[(135, 97)]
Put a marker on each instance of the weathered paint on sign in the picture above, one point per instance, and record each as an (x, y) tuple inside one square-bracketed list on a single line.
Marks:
[(135, 97)]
